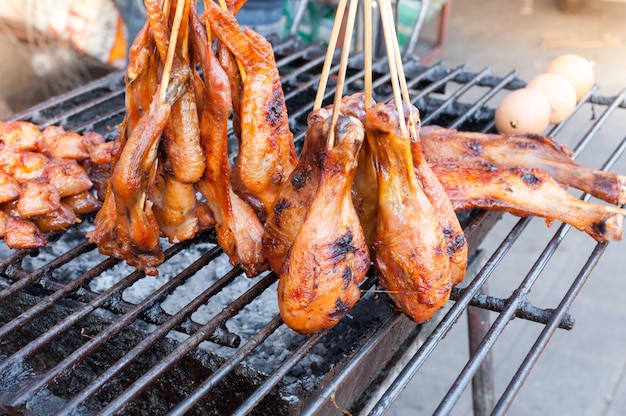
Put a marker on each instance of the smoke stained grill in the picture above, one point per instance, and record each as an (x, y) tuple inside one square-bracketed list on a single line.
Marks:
[(87, 334)]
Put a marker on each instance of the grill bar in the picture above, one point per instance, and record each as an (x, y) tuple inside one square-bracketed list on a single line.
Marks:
[(546, 334), (188, 345), (228, 366)]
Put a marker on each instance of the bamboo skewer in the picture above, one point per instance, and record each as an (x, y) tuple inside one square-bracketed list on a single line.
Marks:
[(343, 66), (171, 49), (332, 43), (387, 21), (367, 52), (401, 76)]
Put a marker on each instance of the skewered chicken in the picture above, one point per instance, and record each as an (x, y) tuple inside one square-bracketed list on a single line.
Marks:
[(184, 157), (266, 154), (410, 250), (521, 151), (365, 191), (524, 192), (239, 231), (364, 186), (286, 216), (329, 257)]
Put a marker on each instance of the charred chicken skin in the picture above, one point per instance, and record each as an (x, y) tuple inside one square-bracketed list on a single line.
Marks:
[(410, 249), (329, 257)]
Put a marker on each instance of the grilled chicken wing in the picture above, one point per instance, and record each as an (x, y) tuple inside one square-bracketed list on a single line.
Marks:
[(285, 217), (526, 192), (266, 154), (329, 256), (410, 249), (136, 230), (521, 151), (239, 230)]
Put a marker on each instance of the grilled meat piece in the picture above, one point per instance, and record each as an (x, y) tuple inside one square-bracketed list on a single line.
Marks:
[(521, 151), (82, 203), (22, 233), (9, 188), (60, 144), (285, 217), (238, 229), (329, 256), (37, 197), (21, 165), (266, 154), (410, 249), (524, 192), (136, 230), (20, 135), (60, 219)]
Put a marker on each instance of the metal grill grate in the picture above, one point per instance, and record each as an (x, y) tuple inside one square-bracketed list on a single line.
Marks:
[(86, 334)]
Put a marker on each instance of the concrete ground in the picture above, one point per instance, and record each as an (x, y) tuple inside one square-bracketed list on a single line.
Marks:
[(582, 371)]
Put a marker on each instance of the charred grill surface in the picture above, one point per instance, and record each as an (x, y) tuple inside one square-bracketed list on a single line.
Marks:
[(82, 331)]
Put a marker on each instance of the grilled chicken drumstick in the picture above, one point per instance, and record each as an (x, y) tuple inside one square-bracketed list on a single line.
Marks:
[(521, 151), (285, 217), (329, 256), (410, 249), (239, 230), (266, 154)]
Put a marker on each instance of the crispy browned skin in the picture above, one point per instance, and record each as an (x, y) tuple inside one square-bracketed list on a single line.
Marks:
[(329, 256), (136, 230), (287, 214), (525, 192), (411, 252), (521, 151), (141, 84), (238, 229), (266, 154)]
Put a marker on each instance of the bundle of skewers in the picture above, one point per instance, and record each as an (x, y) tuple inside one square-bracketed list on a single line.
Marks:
[(370, 186)]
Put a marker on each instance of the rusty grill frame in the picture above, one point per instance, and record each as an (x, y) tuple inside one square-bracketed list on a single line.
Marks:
[(358, 380)]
